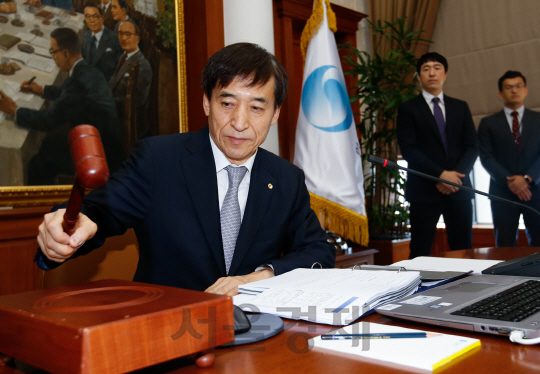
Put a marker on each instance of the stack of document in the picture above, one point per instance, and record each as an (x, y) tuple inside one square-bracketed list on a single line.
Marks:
[(426, 354), (329, 296)]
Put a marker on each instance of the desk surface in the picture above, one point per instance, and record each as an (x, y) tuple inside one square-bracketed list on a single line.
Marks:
[(287, 352), (279, 354)]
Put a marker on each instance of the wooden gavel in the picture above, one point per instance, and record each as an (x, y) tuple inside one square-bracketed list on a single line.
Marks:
[(91, 170)]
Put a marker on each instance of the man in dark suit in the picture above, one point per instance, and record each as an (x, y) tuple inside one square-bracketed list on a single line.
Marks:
[(211, 210), (83, 98), (510, 152), (100, 46), (128, 35), (108, 19), (119, 9), (436, 136)]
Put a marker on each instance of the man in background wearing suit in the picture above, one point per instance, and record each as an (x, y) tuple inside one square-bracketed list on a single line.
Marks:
[(83, 98), (128, 35), (211, 210), (108, 19), (100, 47), (119, 9), (510, 152), (437, 136)]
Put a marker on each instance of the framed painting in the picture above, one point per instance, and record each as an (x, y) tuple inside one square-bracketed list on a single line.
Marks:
[(29, 196)]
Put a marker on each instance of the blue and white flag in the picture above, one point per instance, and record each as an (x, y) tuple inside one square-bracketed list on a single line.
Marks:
[(327, 146)]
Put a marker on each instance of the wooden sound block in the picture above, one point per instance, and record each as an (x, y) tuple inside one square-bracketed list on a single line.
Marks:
[(111, 326)]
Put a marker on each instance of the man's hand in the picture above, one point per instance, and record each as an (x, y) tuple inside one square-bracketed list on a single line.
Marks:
[(32, 87), (58, 246), (519, 186), (451, 176), (7, 105), (229, 285)]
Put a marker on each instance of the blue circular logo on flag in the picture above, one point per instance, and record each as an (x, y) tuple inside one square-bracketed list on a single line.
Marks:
[(325, 101)]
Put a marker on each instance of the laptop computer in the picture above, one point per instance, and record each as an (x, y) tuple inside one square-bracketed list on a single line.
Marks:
[(491, 304)]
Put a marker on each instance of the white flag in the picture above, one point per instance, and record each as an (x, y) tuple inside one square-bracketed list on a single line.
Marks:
[(327, 146)]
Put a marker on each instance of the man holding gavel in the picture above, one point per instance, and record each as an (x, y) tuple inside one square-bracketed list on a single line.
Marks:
[(211, 210)]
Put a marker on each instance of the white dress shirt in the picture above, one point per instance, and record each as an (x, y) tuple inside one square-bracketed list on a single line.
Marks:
[(98, 36), (223, 177), (429, 99), (510, 119)]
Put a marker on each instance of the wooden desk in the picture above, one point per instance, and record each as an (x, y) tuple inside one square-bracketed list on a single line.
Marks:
[(287, 352)]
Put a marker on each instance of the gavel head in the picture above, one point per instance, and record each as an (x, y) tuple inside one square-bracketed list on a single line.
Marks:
[(88, 156)]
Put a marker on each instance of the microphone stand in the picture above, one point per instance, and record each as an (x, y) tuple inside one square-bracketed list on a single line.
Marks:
[(387, 163)]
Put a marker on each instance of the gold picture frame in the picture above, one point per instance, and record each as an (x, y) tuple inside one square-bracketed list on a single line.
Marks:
[(30, 196)]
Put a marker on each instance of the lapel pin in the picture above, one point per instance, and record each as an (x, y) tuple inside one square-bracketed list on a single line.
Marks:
[(270, 186)]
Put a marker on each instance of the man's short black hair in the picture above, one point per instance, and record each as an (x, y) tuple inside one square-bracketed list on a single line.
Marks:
[(431, 56), (244, 61), (66, 38), (123, 4), (137, 30), (509, 75), (92, 5)]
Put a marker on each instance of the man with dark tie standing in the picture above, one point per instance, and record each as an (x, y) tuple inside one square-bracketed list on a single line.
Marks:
[(510, 152), (100, 47), (211, 209), (128, 35), (436, 136)]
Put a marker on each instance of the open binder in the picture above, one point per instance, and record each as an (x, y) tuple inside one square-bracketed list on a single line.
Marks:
[(330, 296)]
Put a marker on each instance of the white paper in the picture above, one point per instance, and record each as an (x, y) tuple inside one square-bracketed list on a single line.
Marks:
[(447, 264), (42, 52), (26, 36), (42, 63), (41, 42), (425, 354), (15, 54), (331, 296)]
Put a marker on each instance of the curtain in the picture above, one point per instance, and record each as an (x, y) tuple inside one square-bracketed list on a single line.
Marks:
[(420, 13)]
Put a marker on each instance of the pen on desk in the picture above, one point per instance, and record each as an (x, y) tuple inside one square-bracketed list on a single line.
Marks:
[(385, 335)]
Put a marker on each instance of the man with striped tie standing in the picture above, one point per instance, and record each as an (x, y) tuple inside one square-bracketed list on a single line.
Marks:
[(510, 152)]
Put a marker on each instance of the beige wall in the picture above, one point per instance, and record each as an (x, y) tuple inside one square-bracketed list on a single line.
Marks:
[(482, 39)]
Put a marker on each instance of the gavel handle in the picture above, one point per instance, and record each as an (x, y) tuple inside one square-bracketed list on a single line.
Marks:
[(71, 217)]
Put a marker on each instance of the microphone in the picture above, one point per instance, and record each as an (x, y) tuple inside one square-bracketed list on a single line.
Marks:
[(387, 163), (91, 170)]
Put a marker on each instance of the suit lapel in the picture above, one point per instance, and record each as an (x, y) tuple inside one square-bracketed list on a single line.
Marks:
[(259, 198), (529, 132), (424, 108), (130, 62), (101, 46), (503, 128), (200, 173)]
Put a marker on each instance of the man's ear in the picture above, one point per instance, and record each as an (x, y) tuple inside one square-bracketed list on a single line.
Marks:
[(206, 105), (275, 116)]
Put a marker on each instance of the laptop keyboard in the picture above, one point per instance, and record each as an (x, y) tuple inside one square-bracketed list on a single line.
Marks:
[(514, 304)]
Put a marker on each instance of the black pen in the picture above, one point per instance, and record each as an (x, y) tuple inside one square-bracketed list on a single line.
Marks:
[(385, 335), (29, 82)]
